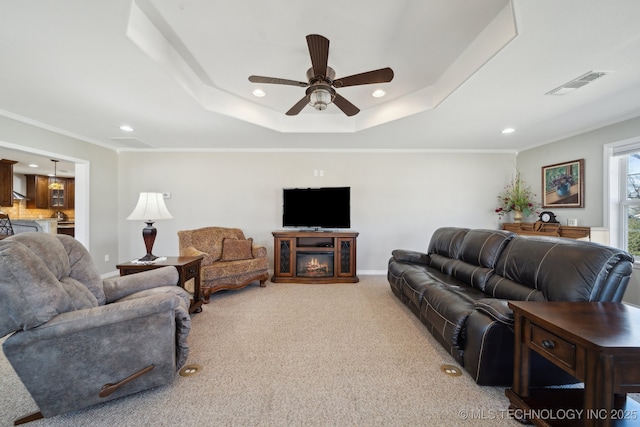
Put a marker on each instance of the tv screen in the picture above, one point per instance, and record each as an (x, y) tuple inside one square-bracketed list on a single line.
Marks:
[(327, 207)]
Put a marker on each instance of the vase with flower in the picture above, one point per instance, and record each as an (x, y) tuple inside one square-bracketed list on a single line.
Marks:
[(518, 198), (562, 184)]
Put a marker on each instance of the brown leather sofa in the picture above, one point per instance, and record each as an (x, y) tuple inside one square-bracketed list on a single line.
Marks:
[(230, 261), (460, 288)]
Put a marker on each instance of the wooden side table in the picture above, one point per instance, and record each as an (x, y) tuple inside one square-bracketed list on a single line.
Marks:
[(188, 268), (597, 343)]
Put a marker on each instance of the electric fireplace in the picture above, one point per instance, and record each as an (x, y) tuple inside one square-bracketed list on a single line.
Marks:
[(314, 264)]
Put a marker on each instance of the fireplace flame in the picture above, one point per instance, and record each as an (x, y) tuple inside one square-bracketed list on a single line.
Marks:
[(314, 266)]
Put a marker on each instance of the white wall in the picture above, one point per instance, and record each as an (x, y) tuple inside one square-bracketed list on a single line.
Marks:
[(398, 199), (588, 146)]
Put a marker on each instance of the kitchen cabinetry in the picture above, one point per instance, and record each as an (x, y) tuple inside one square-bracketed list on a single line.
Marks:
[(41, 197), (37, 192), (6, 182), (70, 193)]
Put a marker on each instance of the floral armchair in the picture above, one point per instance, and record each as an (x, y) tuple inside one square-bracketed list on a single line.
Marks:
[(230, 261)]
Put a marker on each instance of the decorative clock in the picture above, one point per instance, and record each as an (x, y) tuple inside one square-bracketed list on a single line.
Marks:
[(548, 217)]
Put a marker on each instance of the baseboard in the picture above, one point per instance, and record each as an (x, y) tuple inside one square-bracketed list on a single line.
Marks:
[(372, 272)]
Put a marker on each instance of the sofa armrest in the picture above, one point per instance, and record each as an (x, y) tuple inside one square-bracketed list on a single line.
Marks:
[(102, 316), (259, 251), (119, 287), (404, 255), (76, 353), (497, 309)]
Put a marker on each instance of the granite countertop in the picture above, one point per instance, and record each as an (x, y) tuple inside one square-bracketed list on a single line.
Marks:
[(51, 221)]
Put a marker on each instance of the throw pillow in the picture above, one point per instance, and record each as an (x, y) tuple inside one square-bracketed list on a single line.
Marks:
[(235, 249)]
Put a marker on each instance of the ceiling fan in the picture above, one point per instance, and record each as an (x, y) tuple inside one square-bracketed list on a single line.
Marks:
[(320, 87)]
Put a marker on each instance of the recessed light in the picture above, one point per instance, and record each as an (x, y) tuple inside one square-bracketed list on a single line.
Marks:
[(378, 93), (508, 130), (33, 165), (259, 93), (126, 128)]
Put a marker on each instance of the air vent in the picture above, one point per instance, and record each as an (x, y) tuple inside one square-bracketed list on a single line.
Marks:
[(129, 142), (577, 83)]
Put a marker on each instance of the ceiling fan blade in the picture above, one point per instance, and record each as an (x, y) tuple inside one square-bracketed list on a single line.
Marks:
[(319, 52), (348, 108), (382, 75), (293, 111), (276, 81)]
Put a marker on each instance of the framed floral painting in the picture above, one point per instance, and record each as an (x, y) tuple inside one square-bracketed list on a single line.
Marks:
[(563, 185)]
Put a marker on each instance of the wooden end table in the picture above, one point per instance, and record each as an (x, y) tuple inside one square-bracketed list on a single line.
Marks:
[(597, 343), (188, 268)]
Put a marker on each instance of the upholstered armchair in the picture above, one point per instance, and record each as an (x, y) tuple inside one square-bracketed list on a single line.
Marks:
[(77, 339), (230, 260)]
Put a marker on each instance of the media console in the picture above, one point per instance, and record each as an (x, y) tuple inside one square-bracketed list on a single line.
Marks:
[(314, 257)]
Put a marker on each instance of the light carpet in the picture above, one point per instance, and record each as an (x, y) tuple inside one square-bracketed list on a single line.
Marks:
[(297, 355)]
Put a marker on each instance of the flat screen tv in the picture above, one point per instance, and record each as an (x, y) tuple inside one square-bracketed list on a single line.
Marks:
[(327, 207)]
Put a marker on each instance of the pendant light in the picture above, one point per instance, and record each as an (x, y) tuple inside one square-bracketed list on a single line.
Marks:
[(55, 185)]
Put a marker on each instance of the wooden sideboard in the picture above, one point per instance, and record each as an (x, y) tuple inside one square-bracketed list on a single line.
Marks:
[(547, 229)]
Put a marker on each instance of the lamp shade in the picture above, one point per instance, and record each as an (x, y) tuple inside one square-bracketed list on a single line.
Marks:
[(150, 207), (320, 98)]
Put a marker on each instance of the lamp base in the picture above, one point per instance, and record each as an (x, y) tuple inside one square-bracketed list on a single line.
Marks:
[(148, 257), (149, 236)]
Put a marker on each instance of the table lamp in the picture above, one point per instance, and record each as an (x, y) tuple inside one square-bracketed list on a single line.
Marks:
[(150, 208)]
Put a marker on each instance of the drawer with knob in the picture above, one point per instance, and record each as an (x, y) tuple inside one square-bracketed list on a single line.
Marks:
[(556, 348)]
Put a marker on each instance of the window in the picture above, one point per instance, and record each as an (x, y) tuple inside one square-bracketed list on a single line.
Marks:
[(622, 212), (630, 202)]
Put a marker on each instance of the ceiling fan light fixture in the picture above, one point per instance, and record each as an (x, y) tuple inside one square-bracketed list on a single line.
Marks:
[(320, 98), (378, 93), (322, 81)]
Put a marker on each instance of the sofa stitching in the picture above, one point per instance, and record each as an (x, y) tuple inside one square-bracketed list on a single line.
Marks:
[(506, 259), (493, 291), (473, 273), (529, 295), (479, 261), (484, 335), (535, 280), (446, 321), (496, 315)]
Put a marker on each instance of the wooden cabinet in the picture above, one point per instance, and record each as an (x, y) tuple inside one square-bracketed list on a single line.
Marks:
[(70, 193), (41, 197), (37, 192), (6, 182), (57, 198), (593, 341), (314, 257), (69, 230)]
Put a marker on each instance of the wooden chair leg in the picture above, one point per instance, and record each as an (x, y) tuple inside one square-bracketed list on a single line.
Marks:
[(28, 418), (206, 294)]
